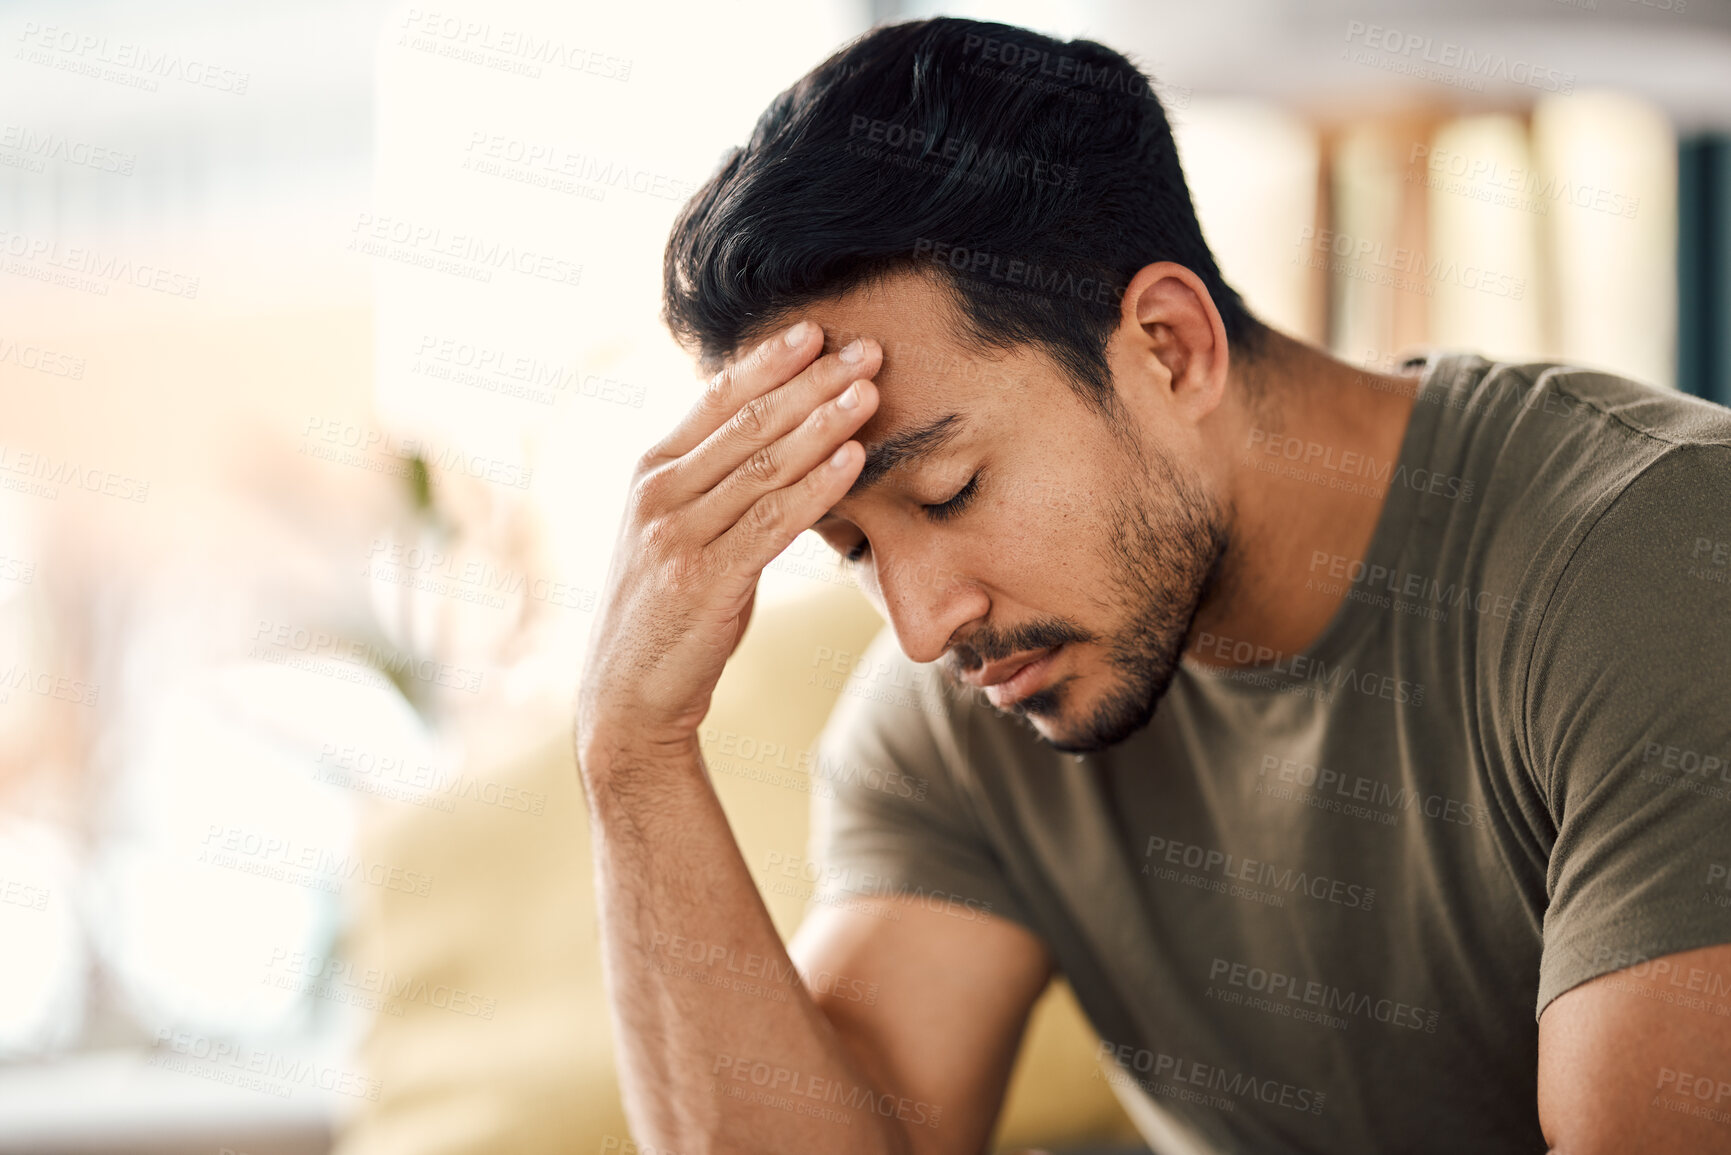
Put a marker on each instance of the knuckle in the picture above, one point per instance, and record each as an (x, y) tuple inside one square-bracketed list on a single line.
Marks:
[(715, 393), (686, 573), (765, 515), (761, 467), (825, 417), (657, 534), (753, 420), (651, 488)]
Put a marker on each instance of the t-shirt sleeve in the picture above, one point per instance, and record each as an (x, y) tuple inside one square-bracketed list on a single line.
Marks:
[(1628, 721), (888, 814)]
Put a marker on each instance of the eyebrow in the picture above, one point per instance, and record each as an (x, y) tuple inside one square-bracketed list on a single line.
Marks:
[(900, 449)]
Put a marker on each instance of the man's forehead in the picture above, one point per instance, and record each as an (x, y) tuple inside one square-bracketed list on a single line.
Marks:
[(913, 308), (931, 366), (925, 405)]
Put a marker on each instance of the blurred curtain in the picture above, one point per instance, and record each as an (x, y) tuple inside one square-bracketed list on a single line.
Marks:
[(1704, 266)]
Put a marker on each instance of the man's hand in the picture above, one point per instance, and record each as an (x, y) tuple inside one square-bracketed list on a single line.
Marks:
[(760, 457)]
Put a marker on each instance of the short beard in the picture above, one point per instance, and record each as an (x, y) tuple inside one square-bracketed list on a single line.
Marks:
[(1165, 563)]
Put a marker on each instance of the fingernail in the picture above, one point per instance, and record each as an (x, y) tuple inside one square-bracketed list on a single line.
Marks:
[(798, 334), (853, 350), (839, 457), (850, 398)]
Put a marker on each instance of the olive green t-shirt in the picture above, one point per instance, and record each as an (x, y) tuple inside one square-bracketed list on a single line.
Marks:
[(1318, 903)]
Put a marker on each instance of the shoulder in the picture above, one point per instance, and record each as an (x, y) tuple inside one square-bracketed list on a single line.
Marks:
[(1634, 635), (1570, 464), (1525, 403), (1658, 549), (1664, 416), (1478, 386)]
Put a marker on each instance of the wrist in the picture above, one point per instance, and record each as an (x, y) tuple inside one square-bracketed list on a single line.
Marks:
[(605, 752)]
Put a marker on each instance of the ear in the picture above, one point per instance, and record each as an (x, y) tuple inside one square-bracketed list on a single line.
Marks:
[(1174, 333)]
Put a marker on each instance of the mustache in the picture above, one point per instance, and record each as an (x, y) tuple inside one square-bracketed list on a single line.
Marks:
[(990, 645)]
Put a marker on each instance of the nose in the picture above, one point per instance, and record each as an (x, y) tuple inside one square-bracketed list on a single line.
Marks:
[(925, 600)]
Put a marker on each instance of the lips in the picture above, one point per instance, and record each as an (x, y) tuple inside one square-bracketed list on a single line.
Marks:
[(1022, 680), (999, 672)]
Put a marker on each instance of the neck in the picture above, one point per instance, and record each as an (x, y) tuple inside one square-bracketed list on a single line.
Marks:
[(1306, 445)]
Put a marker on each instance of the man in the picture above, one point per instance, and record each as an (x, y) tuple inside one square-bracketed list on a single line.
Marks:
[(1356, 744)]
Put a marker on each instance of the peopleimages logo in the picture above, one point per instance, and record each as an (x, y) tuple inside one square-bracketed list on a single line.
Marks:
[(1449, 62), (40, 359), (273, 1072), (1172, 1076), (1274, 665), (347, 443), (1062, 74), (877, 139), (44, 475), (505, 153), (1355, 795), (503, 48), (87, 269), (795, 1091), (135, 65), (39, 146), (1368, 259), (1421, 594), (1267, 875), (1291, 456), (463, 254), (342, 980), (1326, 997), (1488, 179), (234, 846), (1090, 285)]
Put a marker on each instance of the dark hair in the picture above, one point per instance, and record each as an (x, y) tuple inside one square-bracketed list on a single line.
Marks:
[(1033, 176)]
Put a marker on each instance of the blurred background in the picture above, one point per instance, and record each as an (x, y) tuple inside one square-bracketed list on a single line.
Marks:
[(328, 333)]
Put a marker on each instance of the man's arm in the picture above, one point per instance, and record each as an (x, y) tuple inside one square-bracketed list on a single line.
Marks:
[(1628, 730), (1640, 1059), (709, 1064), (906, 1046), (948, 1000)]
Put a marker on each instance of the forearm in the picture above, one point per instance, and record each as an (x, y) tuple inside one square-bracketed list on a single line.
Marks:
[(720, 1046), (758, 459)]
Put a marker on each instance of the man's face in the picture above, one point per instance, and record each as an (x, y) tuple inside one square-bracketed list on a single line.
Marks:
[(1070, 561)]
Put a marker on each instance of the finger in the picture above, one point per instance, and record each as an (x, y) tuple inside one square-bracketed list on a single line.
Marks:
[(766, 419), (774, 360), (784, 461), (781, 515)]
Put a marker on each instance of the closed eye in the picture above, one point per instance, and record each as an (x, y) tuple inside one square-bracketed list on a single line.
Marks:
[(945, 510), (940, 511)]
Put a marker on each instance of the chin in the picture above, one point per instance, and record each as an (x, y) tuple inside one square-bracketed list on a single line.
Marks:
[(1063, 717)]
